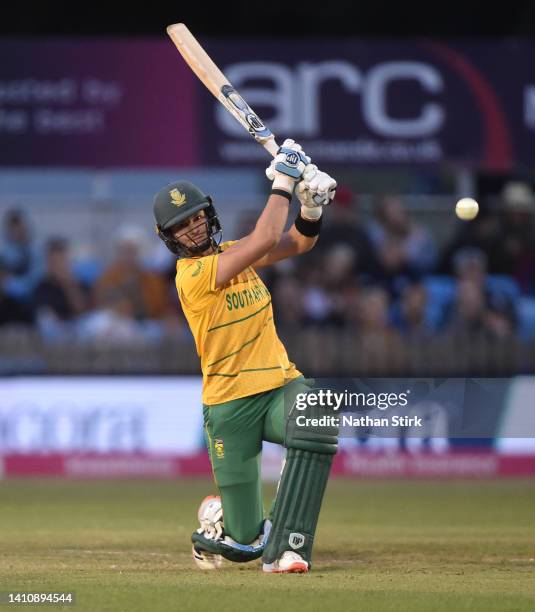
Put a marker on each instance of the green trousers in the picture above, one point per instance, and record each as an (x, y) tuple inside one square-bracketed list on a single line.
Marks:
[(234, 433)]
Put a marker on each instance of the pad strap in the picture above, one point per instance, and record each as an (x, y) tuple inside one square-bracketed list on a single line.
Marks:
[(229, 549)]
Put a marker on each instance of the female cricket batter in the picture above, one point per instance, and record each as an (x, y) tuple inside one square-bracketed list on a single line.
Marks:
[(246, 371)]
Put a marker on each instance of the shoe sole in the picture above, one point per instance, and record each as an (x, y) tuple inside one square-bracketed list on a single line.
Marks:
[(212, 562), (294, 568)]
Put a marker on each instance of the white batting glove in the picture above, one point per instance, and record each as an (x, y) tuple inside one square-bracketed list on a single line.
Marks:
[(287, 168), (316, 190)]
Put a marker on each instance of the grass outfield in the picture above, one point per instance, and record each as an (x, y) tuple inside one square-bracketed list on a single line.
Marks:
[(380, 546)]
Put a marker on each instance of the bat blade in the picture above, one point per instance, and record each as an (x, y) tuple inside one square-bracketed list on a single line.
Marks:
[(216, 82)]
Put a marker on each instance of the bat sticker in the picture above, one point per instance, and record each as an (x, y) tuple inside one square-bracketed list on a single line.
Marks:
[(243, 110)]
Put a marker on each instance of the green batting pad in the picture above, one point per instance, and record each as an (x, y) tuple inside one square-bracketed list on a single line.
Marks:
[(298, 504)]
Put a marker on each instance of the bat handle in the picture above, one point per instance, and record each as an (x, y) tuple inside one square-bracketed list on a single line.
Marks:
[(271, 146)]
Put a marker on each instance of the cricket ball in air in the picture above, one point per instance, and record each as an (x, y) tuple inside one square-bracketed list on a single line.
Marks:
[(467, 209)]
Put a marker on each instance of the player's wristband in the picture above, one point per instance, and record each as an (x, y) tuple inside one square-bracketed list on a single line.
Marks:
[(306, 227), (282, 193)]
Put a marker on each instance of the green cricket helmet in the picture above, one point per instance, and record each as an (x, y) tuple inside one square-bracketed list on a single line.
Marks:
[(175, 203)]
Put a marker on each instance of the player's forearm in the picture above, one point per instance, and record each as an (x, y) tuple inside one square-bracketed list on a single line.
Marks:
[(301, 244), (285, 170)]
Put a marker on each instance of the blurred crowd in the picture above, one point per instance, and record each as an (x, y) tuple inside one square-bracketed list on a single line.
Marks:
[(388, 275), (383, 276), (122, 300)]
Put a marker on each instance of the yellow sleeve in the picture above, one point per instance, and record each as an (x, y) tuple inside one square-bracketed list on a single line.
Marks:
[(195, 281)]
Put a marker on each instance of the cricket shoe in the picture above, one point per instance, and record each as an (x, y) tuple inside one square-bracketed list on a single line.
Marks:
[(205, 560), (288, 563), (210, 515)]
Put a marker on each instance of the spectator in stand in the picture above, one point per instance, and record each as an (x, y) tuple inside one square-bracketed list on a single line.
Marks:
[(317, 306), (288, 302), (480, 234), (506, 237), (379, 344), (468, 315), (12, 312), (500, 318), (326, 286), (516, 236), (146, 291), (114, 323), (470, 264), (21, 257), (403, 248), (351, 300), (477, 308), (373, 311), (59, 294), (410, 314), (342, 227), (338, 280)]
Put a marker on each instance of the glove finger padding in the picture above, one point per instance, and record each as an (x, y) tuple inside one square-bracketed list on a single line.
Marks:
[(301, 189), (326, 184), (318, 181), (314, 181), (304, 194), (310, 172), (324, 199), (322, 187), (309, 208), (294, 146), (270, 171)]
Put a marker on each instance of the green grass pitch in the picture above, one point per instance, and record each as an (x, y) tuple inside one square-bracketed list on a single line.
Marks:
[(402, 546)]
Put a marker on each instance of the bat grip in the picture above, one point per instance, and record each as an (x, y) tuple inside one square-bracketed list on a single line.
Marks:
[(271, 146)]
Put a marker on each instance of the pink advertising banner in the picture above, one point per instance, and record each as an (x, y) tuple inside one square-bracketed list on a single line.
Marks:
[(95, 103)]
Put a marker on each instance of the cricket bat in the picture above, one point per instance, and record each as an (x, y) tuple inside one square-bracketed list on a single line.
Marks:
[(205, 69)]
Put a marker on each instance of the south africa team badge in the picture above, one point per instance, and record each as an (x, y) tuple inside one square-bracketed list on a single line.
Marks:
[(219, 448)]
